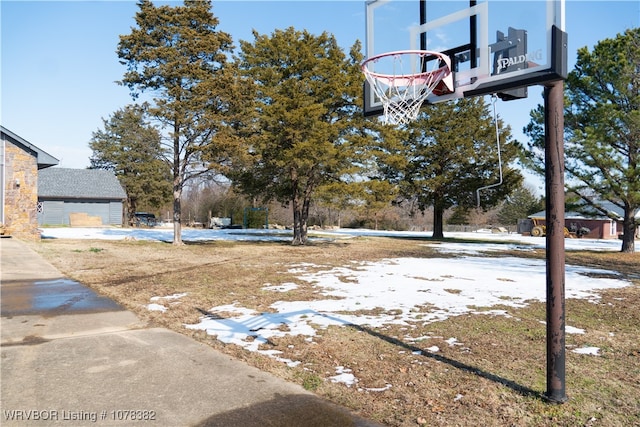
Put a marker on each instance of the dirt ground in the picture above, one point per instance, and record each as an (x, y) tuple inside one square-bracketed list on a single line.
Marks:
[(496, 376)]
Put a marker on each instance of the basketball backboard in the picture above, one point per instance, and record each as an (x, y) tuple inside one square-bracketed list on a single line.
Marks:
[(496, 46)]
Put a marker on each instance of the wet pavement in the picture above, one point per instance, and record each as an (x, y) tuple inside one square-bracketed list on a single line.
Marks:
[(52, 298)]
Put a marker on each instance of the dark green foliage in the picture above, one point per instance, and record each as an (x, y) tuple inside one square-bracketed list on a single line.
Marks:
[(176, 55), (306, 109), (445, 156), (602, 129), (255, 217), (460, 216), (519, 205), (130, 147)]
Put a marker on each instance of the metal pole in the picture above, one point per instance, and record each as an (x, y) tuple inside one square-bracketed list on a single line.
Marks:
[(473, 36), (423, 34), (423, 20), (554, 187)]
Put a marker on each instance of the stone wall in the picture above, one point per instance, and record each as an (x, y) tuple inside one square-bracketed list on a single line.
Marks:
[(21, 193)]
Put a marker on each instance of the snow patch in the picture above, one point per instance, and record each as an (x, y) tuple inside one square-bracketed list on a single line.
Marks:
[(281, 288), (156, 307), (344, 375), (573, 330), (593, 351), (169, 297)]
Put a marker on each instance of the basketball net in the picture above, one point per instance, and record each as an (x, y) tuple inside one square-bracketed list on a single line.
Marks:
[(401, 90)]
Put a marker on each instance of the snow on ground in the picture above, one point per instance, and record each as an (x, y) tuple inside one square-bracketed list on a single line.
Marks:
[(154, 306), (164, 234), (405, 291), (593, 351), (516, 241)]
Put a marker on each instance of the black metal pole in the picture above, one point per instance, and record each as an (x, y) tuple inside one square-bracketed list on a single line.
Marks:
[(423, 20), (555, 211), (423, 34), (473, 37)]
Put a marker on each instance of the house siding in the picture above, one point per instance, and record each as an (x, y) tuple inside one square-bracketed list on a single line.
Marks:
[(51, 212), (57, 212), (20, 184), (116, 213)]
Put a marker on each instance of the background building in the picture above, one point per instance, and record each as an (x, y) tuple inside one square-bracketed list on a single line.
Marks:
[(80, 197)]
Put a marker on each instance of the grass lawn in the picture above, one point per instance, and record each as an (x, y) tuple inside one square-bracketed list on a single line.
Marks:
[(488, 369)]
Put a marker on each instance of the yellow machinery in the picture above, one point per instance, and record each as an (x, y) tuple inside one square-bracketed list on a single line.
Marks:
[(540, 229)]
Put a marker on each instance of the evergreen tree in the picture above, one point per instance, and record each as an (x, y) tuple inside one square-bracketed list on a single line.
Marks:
[(130, 147), (306, 113), (337, 197), (377, 197), (178, 57), (519, 205), (602, 130), (459, 216), (445, 156)]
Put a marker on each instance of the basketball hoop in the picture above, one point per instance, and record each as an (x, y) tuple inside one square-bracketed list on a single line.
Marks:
[(406, 81)]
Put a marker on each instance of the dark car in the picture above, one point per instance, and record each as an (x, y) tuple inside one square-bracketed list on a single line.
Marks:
[(144, 219)]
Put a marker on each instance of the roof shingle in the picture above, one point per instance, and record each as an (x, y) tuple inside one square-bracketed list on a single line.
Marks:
[(79, 184)]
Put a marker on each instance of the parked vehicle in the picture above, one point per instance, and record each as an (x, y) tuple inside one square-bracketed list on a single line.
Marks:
[(574, 230), (144, 219)]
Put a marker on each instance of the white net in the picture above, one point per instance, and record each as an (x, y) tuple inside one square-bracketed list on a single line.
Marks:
[(401, 89)]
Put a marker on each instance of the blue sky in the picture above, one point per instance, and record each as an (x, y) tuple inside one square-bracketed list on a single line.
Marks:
[(59, 66)]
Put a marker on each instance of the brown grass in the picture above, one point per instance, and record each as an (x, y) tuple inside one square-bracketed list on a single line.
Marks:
[(494, 374)]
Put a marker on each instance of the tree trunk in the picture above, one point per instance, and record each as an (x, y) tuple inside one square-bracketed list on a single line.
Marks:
[(177, 215), (438, 218), (177, 188), (131, 211), (300, 218), (297, 224), (629, 231), (304, 219), (300, 211), (297, 210)]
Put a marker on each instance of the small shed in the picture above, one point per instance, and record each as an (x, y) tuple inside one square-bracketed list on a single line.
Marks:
[(80, 197)]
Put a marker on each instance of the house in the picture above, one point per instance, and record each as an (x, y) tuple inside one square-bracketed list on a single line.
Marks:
[(20, 164), (80, 197), (600, 226), (617, 212)]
